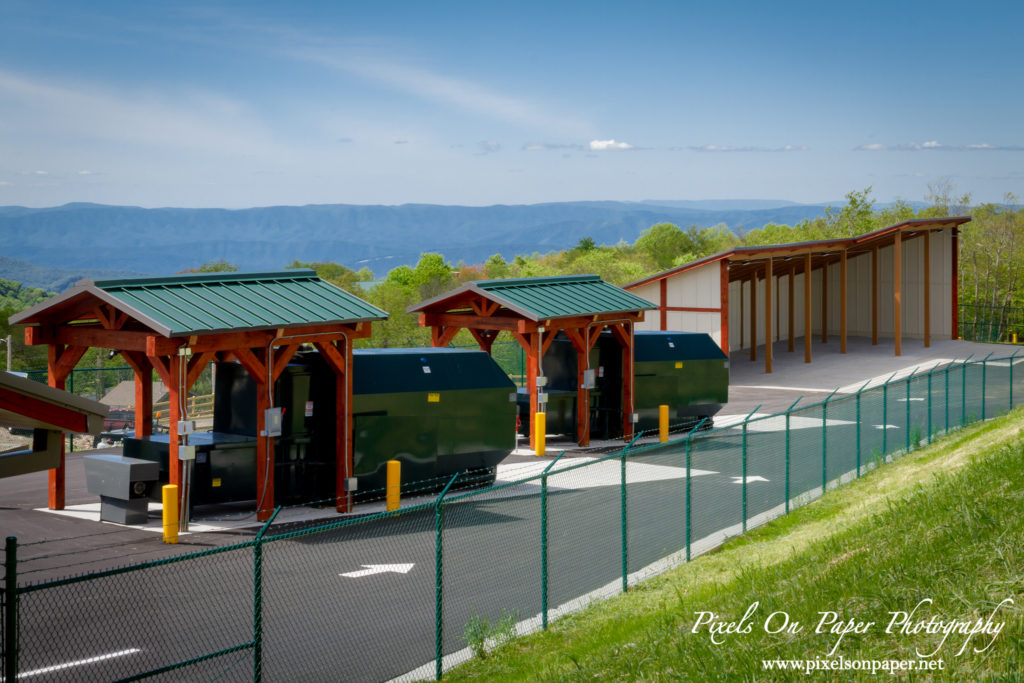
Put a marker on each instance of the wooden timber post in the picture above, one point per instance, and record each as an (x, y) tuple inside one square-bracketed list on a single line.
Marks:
[(927, 289), (842, 300), (723, 297), (792, 282), (824, 300), (768, 316), (808, 327), (897, 293), (874, 295), (60, 361), (753, 317)]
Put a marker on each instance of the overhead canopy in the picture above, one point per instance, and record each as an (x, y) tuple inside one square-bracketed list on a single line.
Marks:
[(214, 302), (535, 310), (177, 325)]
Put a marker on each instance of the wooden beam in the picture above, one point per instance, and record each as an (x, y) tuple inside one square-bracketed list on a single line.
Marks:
[(495, 322), (627, 380), (196, 365), (842, 301), (792, 281), (484, 338), (67, 419), (264, 456), (927, 289), (742, 317), (897, 293), (532, 371), (282, 356), (808, 327), (824, 301), (768, 316), (256, 368), (723, 298), (874, 296)]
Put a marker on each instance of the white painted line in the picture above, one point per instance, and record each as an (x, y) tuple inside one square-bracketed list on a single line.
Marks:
[(606, 473), (886, 426), (912, 398), (80, 662), (739, 480), (729, 420), (777, 423), (379, 569), (778, 388)]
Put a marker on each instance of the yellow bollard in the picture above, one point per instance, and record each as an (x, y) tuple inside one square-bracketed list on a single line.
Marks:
[(394, 486), (662, 423), (540, 424), (170, 495), (1014, 337)]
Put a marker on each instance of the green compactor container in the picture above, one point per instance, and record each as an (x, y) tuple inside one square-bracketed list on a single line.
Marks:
[(437, 411)]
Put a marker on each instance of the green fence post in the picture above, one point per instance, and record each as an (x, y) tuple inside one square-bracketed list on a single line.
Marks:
[(689, 509), (11, 644), (788, 411), (910, 377), (885, 415), (930, 373), (544, 541), (948, 365), (625, 526), (963, 393), (1011, 376), (984, 372), (257, 600), (859, 392), (744, 457), (438, 579), (824, 441)]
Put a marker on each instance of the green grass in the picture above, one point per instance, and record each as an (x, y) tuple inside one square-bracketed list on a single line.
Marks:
[(945, 523)]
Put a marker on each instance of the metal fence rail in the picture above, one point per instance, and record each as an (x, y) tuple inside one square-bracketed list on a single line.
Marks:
[(427, 586), (991, 323)]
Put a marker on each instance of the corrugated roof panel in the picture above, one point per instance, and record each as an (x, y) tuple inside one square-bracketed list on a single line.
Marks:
[(560, 297), (222, 302)]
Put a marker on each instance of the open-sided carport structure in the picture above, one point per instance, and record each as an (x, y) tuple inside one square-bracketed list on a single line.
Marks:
[(896, 282), (48, 412), (534, 311), (177, 325)]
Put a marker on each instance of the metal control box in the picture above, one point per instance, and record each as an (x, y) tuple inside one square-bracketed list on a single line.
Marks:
[(123, 485)]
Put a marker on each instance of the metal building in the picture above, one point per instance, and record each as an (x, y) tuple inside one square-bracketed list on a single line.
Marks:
[(894, 283)]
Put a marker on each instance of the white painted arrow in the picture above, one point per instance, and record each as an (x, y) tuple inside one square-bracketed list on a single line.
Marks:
[(379, 569), (739, 480)]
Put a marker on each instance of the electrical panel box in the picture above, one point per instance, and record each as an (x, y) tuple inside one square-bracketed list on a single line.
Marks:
[(542, 397), (351, 484), (542, 381), (273, 420), (589, 379), (186, 452), (186, 426)]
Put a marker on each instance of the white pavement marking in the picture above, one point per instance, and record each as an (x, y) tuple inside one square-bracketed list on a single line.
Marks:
[(606, 473), (777, 423), (778, 388), (912, 398), (80, 662), (379, 569), (899, 374), (739, 480), (886, 426)]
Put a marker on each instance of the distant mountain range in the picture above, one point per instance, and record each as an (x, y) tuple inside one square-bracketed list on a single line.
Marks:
[(53, 247)]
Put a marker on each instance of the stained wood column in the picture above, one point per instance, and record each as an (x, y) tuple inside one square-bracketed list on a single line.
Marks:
[(842, 301), (768, 316), (874, 296), (897, 292), (624, 334), (824, 301), (927, 289), (663, 286), (532, 372), (792, 327), (60, 361), (143, 370), (808, 326), (753, 317), (955, 284), (723, 295)]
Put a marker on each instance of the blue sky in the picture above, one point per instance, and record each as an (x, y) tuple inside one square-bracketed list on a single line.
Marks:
[(237, 104)]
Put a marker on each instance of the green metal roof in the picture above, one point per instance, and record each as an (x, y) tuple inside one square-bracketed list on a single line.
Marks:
[(219, 302), (542, 298)]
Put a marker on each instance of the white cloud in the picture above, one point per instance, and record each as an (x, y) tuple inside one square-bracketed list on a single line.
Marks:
[(487, 147), (749, 148), (934, 145), (86, 172), (605, 145), (6, 182)]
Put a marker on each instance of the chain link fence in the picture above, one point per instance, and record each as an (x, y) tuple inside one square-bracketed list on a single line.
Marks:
[(412, 592)]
